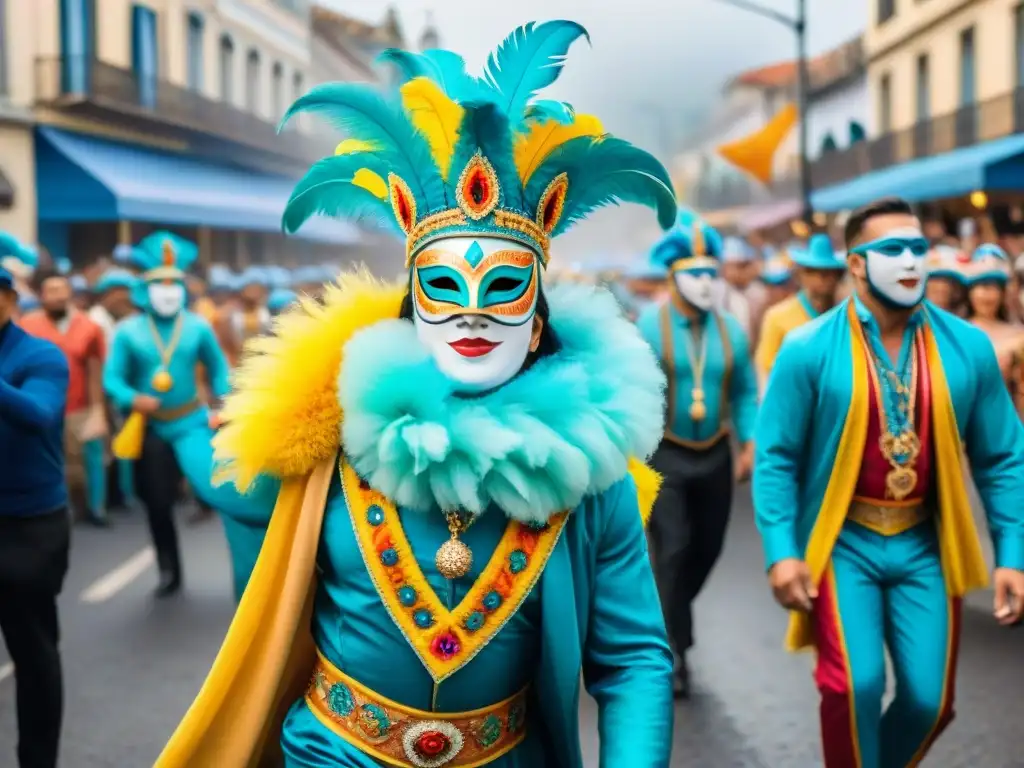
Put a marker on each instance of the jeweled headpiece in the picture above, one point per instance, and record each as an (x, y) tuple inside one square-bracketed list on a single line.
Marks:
[(451, 154), (163, 256), (690, 244)]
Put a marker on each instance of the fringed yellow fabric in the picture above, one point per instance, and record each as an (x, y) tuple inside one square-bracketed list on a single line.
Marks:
[(127, 444), (648, 483), (963, 563), (268, 654), (283, 417)]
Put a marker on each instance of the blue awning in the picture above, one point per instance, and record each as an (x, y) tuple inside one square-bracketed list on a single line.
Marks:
[(994, 166), (81, 178)]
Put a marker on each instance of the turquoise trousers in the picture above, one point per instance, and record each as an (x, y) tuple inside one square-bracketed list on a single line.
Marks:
[(94, 464), (884, 593)]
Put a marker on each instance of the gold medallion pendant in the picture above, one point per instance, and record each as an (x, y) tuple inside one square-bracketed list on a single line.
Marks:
[(162, 381), (698, 411), (900, 482), (454, 558)]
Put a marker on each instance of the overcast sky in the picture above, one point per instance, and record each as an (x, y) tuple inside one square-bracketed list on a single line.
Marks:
[(650, 70)]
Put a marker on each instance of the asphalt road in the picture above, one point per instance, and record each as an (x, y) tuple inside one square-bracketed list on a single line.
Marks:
[(133, 665)]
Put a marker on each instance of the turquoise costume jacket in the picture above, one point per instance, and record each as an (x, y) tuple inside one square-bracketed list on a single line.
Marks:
[(735, 396), (810, 436)]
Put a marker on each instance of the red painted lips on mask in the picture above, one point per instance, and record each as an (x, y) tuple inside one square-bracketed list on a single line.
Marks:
[(473, 347)]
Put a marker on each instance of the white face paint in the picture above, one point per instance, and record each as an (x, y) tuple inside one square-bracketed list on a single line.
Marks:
[(167, 300), (697, 287), (475, 301), (897, 274)]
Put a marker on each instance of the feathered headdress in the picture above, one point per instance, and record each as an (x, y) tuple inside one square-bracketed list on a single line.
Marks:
[(989, 262), (17, 260), (691, 243), (163, 256), (451, 153)]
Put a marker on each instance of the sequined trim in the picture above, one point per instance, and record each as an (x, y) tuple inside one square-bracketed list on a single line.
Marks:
[(454, 222), (411, 738), (444, 640)]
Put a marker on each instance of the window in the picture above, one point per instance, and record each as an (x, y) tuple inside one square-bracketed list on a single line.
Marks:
[(298, 86), (77, 43), (923, 88), (145, 56), (227, 69), (1018, 26), (252, 81), (884, 105), (967, 67), (886, 10), (194, 52), (277, 90)]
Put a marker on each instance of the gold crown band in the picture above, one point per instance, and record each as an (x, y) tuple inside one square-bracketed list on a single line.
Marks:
[(454, 217), (163, 273), (694, 262)]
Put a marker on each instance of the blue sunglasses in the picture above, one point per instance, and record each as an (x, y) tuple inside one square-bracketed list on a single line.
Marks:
[(894, 246)]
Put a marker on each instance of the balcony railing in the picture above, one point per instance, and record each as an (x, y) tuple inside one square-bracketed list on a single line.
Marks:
[(969, 125), (70, 80)]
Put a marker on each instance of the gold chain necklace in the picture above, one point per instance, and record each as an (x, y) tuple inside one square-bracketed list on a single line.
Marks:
[(162, 381), (454, 558), (698, 409)]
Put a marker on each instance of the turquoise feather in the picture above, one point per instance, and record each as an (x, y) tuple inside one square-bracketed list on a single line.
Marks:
[(362, 114), (327, 190), (485, 128), (545, 110), (445, 68), (528, 60), (605, 172), (149, 253), (11, 246)]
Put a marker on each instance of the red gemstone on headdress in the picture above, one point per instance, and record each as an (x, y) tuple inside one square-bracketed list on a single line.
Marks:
[(432, 744), (168, 254)]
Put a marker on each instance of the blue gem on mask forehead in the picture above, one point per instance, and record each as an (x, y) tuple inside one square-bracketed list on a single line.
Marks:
[(474, 254)]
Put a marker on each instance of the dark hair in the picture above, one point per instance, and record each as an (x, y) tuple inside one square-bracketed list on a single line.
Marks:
[(41, 275), (548, 345), (1002, 314), (887, 206)]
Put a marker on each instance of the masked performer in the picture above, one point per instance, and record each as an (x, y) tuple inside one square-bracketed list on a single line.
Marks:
[(473, 542), (987, 277), (859, 494), (151, 371), (706, 355), (819, 272), (947, 278)]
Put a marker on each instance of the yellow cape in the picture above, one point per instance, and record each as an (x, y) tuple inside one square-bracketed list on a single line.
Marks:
[(284, 420)]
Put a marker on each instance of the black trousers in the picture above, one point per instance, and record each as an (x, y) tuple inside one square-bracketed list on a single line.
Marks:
[(158, 485), (688, 528), (33, 563)]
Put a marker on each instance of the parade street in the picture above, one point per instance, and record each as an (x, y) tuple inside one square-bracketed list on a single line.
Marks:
[(133, 665)]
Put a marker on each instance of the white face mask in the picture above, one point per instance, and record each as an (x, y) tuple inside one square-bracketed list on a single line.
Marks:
[(475, 301), (166, 300), (890, 264), (696, 287)]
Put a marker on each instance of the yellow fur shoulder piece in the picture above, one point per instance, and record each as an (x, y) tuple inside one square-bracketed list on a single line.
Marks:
[(648, 483), (283, 416)]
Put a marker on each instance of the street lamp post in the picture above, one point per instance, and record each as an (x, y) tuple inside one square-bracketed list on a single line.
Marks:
[(798, 25)]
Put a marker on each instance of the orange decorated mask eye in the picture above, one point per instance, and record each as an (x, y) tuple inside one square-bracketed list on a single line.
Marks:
[(403, 204), (478, 189), (552, 203)]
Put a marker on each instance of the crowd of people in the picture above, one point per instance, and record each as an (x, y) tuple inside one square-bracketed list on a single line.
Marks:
[(435, 492)]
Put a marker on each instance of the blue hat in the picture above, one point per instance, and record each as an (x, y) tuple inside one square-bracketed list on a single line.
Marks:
[(278, 276), (451, 154), (16, 259), (988, 262), (164, 256), (736, 249), (79, 284), (818, 254), (252, 275), (123, 253), (690, 244), (114, 278), (778, 267), (221, 279), (27, 302), (280, 299), (947, 261)]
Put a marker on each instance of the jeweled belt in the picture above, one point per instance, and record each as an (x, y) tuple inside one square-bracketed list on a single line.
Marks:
[(170, 414), (402, 736), (887, 518)]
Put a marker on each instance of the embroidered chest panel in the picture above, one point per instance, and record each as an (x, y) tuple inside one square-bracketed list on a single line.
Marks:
[(445, 641)]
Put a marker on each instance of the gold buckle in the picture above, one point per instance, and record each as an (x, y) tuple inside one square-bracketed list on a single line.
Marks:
[(886, 520)]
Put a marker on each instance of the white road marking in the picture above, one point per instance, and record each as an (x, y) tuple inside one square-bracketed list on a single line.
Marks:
[(6, 670), (109, 585)]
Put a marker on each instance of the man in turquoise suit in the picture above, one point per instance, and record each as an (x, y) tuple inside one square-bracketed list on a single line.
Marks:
[(151, 372), (450, 469), (706, 357), (859, 494)]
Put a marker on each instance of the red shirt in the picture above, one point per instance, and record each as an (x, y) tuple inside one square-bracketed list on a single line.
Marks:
[(81, 342), (874, 467)]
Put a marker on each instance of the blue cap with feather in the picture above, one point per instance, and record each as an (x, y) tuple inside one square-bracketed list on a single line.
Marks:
[(692, 244), (452, 154), (163, 256), (17, 260), (989, 262)]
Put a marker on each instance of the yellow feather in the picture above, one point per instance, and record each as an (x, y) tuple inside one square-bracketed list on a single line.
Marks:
[(648, 483), (436, 116), (283, 416), (533, 148), (371, 182), (351, 146)]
